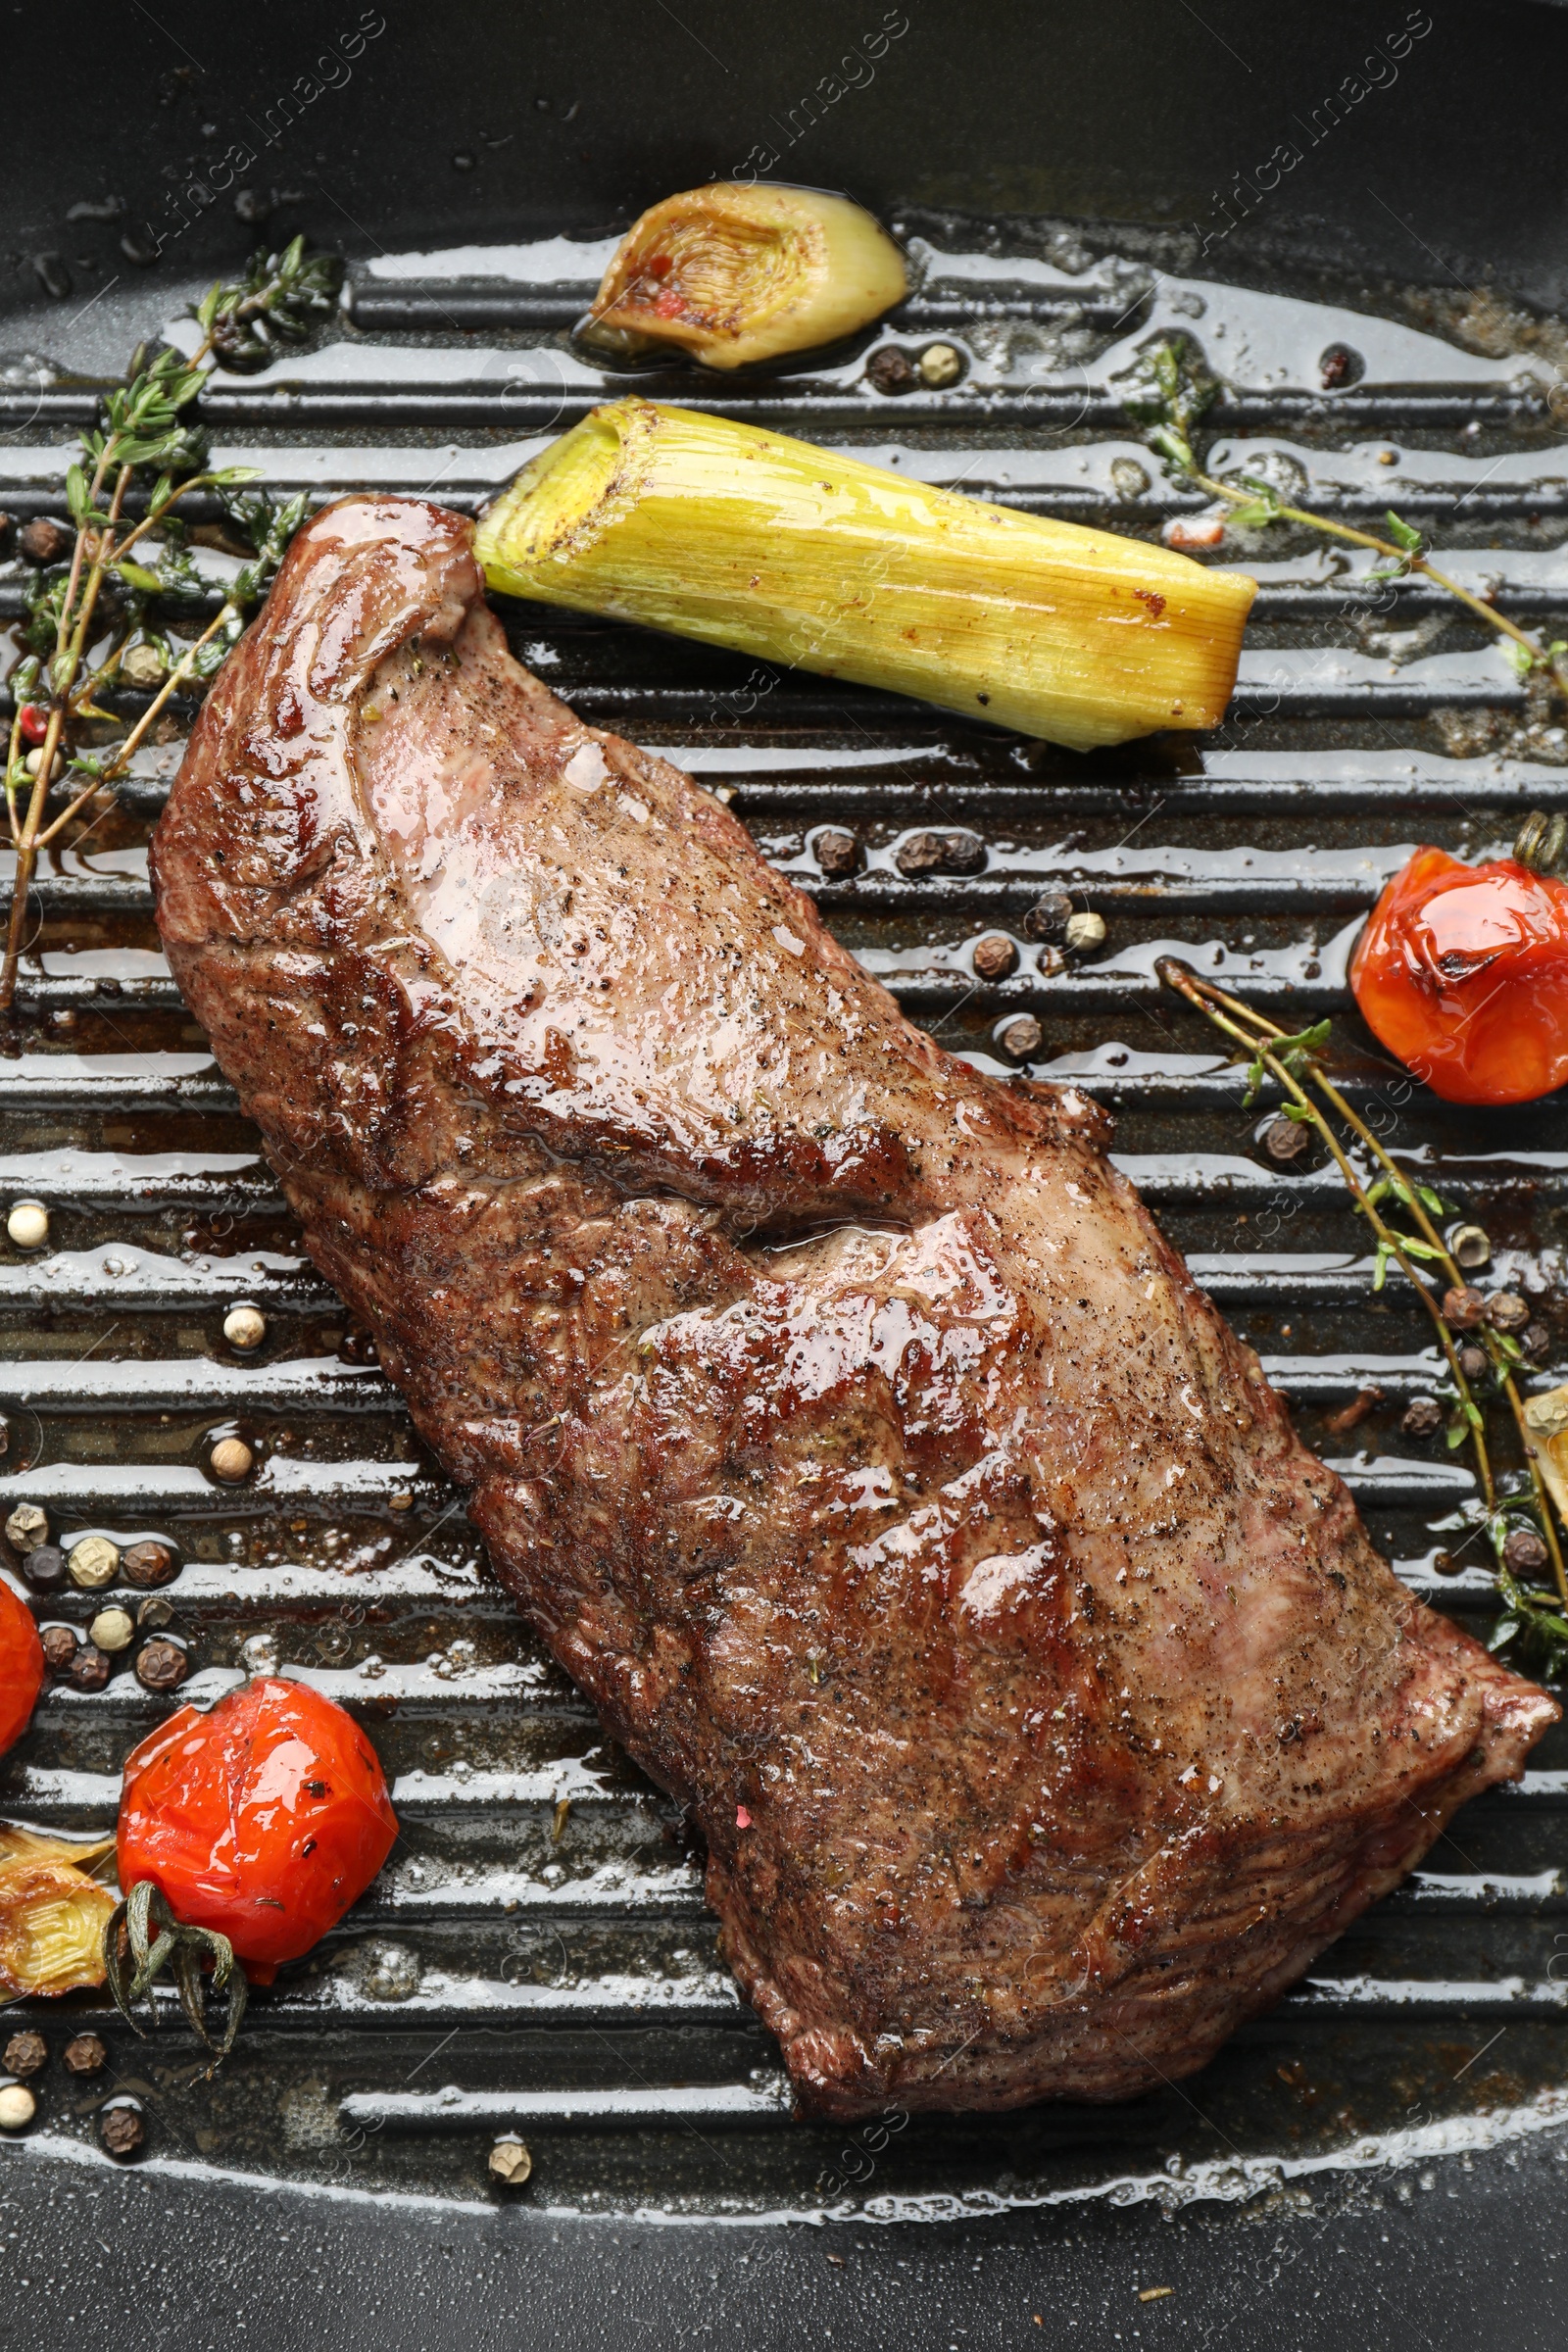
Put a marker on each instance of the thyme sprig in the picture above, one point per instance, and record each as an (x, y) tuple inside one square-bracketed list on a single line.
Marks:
[(143, 1938), (87, 619), (1169, 399), (1536, 1618)]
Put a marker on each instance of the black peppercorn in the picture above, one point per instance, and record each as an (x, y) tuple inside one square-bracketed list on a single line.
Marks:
[(1522, 1552), (1474, 1362), (995, 956), (60, 1647), (838, 854), (1507, 1311), (44, 1568), (1048, 917), (1285, 1140), (85, 2054), (1463, 1308), (162, 1665), (45, 541), (920, 854), (891, 371), (1020, 1037), (148, 1563), (121, 2130), (1423, 1417), (26, 2054), (88, 1668)]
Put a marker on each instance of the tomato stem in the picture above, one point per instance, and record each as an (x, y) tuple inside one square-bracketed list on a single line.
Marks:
[(133, 1957)]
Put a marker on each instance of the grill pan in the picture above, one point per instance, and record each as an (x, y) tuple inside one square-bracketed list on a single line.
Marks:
[(524, 1964)]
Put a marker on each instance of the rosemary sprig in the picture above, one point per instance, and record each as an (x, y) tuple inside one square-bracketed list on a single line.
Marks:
[(1293, 1061), (86, 619), (133, 1956), (1170, 400)]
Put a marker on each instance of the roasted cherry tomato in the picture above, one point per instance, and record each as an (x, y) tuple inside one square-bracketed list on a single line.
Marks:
[(1463, 972), (21, 1666), (263, 1820)]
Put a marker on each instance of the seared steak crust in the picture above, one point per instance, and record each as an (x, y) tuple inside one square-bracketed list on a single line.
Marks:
[(837, 1415)]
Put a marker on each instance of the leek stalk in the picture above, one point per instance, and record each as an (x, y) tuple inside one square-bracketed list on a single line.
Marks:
[(806, 557)]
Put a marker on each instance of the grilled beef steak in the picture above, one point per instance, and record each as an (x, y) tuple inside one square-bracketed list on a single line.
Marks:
[(837, 1415)]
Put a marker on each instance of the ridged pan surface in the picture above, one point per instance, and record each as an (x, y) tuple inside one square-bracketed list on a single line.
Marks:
[(536, 1955)]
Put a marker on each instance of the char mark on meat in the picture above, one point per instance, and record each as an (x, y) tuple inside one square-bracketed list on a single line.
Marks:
[(838, 1415)]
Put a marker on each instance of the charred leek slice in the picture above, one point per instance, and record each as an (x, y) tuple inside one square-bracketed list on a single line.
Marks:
[(806, 556), (733, 273), (52, 1914)]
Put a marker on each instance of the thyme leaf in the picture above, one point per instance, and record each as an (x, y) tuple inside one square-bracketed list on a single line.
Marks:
[(1294, 1053)]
